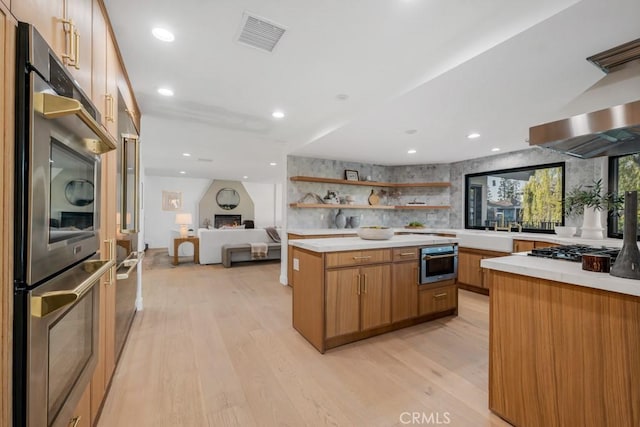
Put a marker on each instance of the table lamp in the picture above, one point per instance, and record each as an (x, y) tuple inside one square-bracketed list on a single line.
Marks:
[(183, 219)]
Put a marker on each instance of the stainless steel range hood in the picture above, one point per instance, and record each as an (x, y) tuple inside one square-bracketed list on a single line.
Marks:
[(613, 131)]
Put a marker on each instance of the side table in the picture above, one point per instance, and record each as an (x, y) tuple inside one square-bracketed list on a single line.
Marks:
[(196, 248)]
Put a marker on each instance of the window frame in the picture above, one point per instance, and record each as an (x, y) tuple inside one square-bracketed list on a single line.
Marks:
[(612, 220), (467, 177)]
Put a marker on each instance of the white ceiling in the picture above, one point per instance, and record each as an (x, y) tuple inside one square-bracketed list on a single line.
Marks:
[(442, 68)]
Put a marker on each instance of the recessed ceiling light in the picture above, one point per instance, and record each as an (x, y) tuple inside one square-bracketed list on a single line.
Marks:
[(412, 151), (411, 131), (163, 34), (495, 149), (183, 172), (245, 177), (473, 135), (165, 91), (272, 164), (342, 97), (277, 114), (186, 154)]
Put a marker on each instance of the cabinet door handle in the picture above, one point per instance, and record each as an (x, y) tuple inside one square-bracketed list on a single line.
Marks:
[(70, 50), (76, 59), (364, 283), (362, 257), (440, 296), (75, 421), (112, 257), (359, 283), (109, 115), (407, 254)]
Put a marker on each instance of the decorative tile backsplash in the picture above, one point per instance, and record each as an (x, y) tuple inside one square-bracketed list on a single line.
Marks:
[(577, 171)]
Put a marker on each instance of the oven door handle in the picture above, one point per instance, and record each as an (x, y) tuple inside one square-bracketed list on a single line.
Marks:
[(54, 106), (428, 257), (130, 262), (47, 303)]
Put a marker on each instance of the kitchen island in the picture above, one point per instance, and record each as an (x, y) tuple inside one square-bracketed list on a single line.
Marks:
[(564, 344), (347, 288)]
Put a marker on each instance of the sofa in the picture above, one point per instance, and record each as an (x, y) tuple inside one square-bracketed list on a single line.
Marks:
[(211, 242)]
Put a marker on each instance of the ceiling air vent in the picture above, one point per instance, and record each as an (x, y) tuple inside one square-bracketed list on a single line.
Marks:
[(613, 58), (259, 33)]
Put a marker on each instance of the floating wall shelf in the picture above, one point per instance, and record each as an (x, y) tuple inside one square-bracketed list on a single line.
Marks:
[(370, 183), (334, 206)]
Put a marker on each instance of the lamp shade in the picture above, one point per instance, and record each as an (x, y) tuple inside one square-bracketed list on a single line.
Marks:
[(183, 219)]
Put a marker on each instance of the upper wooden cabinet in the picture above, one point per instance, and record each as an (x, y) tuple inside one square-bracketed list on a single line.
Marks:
[(67, 26)]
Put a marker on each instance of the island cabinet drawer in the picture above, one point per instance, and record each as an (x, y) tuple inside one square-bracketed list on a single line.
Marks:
[(406, 254), (342, 259), (435, 300)]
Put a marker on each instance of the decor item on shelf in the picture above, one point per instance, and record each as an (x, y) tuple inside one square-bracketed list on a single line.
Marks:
[(184, 219), (374, 199), (341, 220), (376, 232), (331, 198), (414, 224), (590, 201), (311, 198), (564, 231), (206, 223), (349, 199), (351, 175), (354, 221), (627, 263)]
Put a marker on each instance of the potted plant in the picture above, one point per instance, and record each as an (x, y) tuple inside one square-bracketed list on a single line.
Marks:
[(414, 224), (590, 201)]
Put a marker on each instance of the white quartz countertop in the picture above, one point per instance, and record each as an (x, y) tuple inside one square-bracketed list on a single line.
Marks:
[(500, 241), (339, 244), (561, 271)]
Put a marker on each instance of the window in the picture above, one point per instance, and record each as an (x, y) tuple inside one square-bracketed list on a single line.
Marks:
[(530, 197), (624, 175)]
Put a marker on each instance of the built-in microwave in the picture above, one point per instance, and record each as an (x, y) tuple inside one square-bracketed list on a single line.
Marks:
[(438, 263)]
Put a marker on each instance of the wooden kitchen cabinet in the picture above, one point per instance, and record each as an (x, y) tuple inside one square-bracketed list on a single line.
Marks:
[(358, 299), (335, 304), (528, 245), (434, 300), (106, 331), (404, 292), (7, 142), (293, 236), (470, 274), (72, 45), (82, 414), (375, 296)]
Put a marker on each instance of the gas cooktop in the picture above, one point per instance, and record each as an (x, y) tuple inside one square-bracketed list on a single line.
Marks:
[(573, 252)]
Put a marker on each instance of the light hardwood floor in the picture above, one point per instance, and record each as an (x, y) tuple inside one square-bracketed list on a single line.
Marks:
[(215, 347)]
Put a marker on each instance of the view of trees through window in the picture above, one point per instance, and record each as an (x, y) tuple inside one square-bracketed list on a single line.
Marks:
[(624, 175), (529, 197)]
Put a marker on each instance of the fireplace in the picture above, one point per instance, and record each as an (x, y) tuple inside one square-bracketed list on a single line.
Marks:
[(221, 220)]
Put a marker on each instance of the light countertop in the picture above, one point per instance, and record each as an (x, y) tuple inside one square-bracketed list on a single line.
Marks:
[(339, 244), (561, 271), (500, 241)]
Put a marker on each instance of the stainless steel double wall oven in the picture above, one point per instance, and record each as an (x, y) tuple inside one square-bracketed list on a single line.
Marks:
[(57, 236)]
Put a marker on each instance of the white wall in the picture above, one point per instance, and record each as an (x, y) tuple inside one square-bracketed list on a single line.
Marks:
[(267, 199), (158, 223)]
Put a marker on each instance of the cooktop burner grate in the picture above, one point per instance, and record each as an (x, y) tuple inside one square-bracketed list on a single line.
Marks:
[(573, 252)]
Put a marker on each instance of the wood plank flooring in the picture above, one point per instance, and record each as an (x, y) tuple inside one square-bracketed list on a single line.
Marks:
[(215, 347)]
